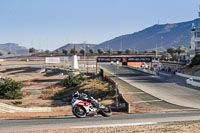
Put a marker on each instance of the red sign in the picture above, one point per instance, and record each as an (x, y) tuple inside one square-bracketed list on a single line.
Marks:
[(124, 59)]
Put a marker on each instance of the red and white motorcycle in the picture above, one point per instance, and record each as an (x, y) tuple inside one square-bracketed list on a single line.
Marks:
[(83, 106)]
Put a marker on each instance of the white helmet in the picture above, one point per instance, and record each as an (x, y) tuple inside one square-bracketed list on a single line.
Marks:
[(75, 94)]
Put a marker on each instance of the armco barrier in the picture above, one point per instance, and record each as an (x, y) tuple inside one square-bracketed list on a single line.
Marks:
[(187, 76), (118, 92), (142, 70)]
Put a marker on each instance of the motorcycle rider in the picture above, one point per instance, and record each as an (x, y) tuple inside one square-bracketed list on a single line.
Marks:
[(87, 98)]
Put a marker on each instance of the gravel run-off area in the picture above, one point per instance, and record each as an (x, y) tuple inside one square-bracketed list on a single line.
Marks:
[(174, 127)]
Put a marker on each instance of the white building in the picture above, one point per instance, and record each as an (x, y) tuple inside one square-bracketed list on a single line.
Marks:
[(195, 40)]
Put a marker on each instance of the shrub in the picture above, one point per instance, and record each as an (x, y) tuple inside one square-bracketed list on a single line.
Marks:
[(17, 102), (195, 60), (73, 80), (10, 89)]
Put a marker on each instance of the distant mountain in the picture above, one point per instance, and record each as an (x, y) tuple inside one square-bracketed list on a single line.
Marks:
[(163, 36), (78, 47), (13, 48)]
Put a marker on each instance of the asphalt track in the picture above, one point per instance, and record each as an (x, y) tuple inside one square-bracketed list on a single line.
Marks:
[(167, 87), (98, 121)]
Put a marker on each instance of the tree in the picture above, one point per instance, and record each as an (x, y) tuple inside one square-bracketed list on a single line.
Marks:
[(82, 51), (57, 51), (110, 51), (9, 52), (171, 50), (137, 52), (128, 51), (166, 55), (1, 54), (64, 51), (10, 89), (175, 57), (47, 52), (73, 51), (181, 49), (91, 50), (119, 52), (155, 52), (146, 51), (32, 50), (195, 60), (100, 51)]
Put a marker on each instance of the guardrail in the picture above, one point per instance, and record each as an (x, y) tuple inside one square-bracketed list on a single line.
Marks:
[(127, 105), (188, 76), (142, 70)]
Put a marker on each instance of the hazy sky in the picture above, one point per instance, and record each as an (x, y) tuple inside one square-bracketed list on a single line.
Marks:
[(49, 24)]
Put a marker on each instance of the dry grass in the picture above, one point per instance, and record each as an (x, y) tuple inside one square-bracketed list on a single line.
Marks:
[(95, 87), (49, 92), (95, 84)]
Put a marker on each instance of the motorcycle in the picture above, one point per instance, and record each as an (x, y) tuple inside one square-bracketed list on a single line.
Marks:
[(83, 107)]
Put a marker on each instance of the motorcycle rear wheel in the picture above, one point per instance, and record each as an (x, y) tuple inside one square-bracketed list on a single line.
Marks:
[(79, 112), (106, 112)]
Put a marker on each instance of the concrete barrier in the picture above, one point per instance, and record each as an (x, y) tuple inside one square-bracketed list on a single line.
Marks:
[(193, 83), (5, 108), (188, 76)]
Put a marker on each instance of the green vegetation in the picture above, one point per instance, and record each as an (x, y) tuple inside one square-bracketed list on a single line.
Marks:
[(57, 51), (64, 51), (100, 51), (91, 51), (32, 50), (155, 52), (17, 102), (73, 51), (82, 51), (195, 60), (73, 80), (119, 52), (175, 53), (47, 51), (129, 51), (10, 89), (110, 51), (146, 51), (166, 55)]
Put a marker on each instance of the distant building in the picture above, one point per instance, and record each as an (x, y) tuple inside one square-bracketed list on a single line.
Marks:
[(195, 40)]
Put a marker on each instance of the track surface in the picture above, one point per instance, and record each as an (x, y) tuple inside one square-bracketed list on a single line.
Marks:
[(98, 121), (167, 87)]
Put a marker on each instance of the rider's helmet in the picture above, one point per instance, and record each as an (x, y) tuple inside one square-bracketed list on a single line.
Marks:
[(83, 95), (75, 94)]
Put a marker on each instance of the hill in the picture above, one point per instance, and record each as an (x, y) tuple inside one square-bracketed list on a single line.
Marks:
[(78, 47), (14, 48), (163, 36)]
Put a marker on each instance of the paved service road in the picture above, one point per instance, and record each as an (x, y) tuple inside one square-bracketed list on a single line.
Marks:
[(98, 121), (170, 88)]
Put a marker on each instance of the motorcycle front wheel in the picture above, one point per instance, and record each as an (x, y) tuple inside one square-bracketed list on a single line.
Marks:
[(79, 112), (106, 112)]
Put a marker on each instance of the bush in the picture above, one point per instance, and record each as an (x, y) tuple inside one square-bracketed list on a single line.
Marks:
[(73, 80), (17, 102), (195, 60), (10, 89)]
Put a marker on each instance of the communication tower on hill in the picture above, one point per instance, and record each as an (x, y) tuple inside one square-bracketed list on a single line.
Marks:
[(199, 10)]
